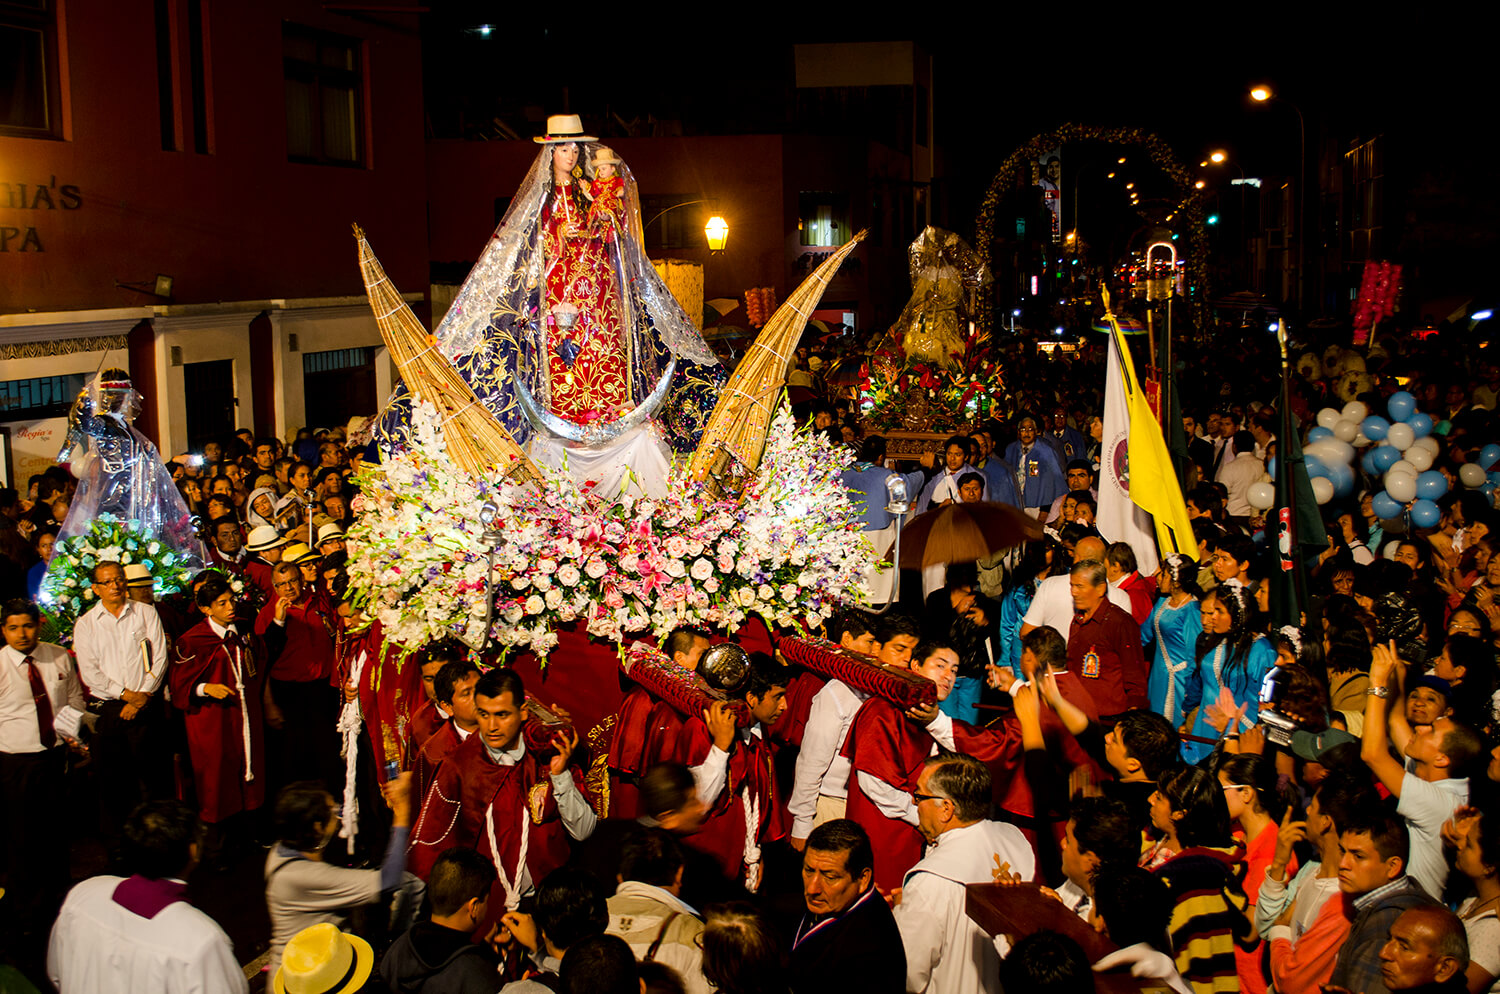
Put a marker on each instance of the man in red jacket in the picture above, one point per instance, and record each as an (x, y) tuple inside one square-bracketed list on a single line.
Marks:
[(302, 699), (1104, 645)]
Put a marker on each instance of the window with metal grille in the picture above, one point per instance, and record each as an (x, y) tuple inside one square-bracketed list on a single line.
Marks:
[(337, 359), (40, 397), (324, 96)]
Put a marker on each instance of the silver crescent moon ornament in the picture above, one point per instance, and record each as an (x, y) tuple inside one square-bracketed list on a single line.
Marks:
[(568, 432)]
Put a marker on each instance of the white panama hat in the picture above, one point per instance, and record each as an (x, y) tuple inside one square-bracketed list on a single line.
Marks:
[(564, 128)]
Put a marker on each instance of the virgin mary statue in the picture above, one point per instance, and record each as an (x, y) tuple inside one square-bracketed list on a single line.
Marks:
[(565, 331)]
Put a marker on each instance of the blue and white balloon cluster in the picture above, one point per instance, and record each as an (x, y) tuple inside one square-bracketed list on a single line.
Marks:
[(1402, 457), (1329, 452)]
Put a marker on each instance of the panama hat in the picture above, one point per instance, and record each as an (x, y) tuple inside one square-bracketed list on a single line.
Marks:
[(298, 553), (137, 575), (329, 532), (605, 156), (322, 960), (264, 537), (564, 128)]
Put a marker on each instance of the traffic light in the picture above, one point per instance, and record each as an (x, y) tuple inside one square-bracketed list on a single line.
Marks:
[(1212, 219)]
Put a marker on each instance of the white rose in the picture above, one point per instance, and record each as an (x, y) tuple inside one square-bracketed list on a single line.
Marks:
[(711, 585), (702, 570), (553, 599), (535, 604), (765, 592), (568, 575), (674, 568)]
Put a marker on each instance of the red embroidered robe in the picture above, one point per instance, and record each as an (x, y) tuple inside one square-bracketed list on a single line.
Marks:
[(724, 831), (886, 744), (216, 728), (468, 785)]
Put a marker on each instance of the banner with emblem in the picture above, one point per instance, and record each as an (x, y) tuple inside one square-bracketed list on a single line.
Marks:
[(1128, 508), (1118, 517)]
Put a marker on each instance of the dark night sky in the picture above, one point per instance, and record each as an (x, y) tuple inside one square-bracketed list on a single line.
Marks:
[(1002, 74)]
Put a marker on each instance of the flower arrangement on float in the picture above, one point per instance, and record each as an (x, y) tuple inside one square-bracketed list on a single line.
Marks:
[(789, 550), (68, 588), (895, 393)]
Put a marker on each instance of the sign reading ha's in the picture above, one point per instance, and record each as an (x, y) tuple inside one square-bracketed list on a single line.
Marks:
[(20, 234)]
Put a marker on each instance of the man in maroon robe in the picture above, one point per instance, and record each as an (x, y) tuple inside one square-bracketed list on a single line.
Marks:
[(494, 795), (1044, 658), (218, 679), (648, 730), (733, 770), (886, 750), (455, 696)]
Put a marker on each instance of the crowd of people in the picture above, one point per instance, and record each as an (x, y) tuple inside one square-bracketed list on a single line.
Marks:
[(1166, 786)]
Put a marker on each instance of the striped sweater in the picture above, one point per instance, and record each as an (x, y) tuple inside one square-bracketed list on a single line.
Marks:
[(1209, 915)]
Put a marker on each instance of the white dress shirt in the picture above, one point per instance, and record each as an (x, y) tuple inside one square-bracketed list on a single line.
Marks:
[(1053, 604), (821, 765), (946, 950), (109, 652), (710, 776), (98, 947), (19, 731), (1238, 475)]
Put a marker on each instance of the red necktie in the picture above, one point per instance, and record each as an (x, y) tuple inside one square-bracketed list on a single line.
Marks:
[(43, 705)]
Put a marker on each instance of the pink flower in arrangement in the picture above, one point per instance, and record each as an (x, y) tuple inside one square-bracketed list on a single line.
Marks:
[(613, 598), (614, 532), (596, 568), (653, 575), (676, 546)]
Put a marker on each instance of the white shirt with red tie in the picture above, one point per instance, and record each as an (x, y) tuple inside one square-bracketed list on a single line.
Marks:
[(20, 731)]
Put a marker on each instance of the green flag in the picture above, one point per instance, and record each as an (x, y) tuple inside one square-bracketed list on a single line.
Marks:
[(1296, 523)]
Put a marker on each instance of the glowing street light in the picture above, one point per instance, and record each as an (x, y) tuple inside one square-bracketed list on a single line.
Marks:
[(1130, 186), (1122, 160), (1219, 155), (1260, 94), (1110, 176), (717, 233), (1199, 185)]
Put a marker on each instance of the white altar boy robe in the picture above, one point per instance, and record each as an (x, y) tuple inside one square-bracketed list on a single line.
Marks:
[(946, 951)]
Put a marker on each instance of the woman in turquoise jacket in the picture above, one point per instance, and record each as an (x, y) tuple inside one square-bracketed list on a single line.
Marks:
[(1175, 624), (1232, 656)]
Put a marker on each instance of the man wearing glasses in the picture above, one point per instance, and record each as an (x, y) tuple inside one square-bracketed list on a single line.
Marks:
[(122, 658), (946, 950)]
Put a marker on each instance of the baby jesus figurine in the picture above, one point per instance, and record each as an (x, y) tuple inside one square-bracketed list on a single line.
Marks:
[(607, 192)]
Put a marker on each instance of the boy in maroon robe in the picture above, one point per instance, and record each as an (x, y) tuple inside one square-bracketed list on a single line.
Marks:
[(218, 679), (734, 774), (455, 696), (492, 794), (648, 729), (886, 750)]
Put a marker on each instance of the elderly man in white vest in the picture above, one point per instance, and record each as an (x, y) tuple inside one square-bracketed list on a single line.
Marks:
[(946, 951)]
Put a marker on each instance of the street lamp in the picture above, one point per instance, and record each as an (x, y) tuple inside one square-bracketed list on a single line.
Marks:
[(1262, 94), (717, 233), (1218, 155)]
